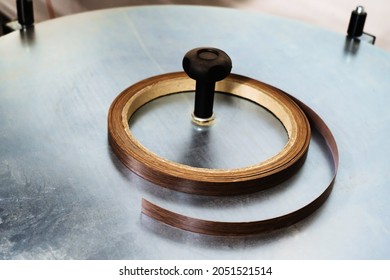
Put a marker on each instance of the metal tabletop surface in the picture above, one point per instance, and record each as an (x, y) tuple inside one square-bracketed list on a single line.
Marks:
[(65, 195)]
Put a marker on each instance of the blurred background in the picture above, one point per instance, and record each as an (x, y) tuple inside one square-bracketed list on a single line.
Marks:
[(331, 14)]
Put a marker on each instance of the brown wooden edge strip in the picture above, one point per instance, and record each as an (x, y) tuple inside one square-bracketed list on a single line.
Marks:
[(254, 227), (204, 181)]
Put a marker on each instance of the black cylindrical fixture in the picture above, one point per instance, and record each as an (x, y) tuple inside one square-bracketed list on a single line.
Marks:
[(25, 12), (204, 99), (206, 66), (356, 23)]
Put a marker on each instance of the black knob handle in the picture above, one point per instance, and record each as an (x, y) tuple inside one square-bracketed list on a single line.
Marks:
[(356, 22), (25, 12), (206, 66)]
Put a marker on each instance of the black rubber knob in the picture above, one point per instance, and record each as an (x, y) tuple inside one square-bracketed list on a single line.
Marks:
[(206, 66), (356, 22)]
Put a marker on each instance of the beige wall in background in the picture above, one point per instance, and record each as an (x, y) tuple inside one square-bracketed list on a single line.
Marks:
[(329, 14)]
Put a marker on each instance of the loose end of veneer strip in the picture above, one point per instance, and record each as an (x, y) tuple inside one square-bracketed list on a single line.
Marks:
[(254, 227), (218, 228)]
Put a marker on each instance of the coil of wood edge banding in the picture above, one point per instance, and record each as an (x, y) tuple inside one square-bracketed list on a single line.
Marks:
[(134, 97), (205, 181)]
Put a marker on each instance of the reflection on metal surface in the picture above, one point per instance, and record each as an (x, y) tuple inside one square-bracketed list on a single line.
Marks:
[(27, 36), (351, 45)]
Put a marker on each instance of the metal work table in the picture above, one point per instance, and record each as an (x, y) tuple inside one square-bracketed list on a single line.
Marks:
[(65, 195)]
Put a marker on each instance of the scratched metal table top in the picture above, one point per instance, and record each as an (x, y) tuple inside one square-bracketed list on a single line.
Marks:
[(65, 195)]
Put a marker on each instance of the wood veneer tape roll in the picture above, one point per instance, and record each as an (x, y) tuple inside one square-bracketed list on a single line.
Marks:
[(205, 181), (293, 114)]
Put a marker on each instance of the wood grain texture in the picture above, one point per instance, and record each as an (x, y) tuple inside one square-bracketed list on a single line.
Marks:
[(205, 181)]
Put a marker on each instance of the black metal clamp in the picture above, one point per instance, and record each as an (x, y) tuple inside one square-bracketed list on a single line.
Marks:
[(25, 11), (356, 25)]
